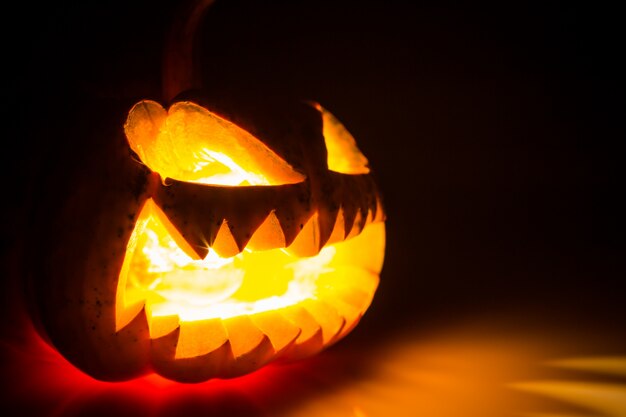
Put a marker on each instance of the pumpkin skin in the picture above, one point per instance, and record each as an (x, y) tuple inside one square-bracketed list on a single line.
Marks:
[(77, 283)]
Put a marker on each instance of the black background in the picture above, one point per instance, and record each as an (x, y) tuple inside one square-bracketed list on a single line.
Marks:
[(496, 133)]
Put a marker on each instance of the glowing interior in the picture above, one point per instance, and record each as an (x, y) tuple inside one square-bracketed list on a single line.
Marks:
[(190, 143), (178, 290)]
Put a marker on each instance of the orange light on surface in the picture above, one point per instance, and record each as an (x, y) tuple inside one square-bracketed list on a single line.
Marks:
[(471, 370)]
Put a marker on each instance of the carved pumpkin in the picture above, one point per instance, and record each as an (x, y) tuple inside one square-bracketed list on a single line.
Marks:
[(211, 240)]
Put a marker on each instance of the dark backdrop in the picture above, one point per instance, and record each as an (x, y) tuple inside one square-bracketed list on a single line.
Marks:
[(496, 134)]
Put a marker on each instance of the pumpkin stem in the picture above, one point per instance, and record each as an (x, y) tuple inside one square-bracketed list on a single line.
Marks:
[(179, 72)]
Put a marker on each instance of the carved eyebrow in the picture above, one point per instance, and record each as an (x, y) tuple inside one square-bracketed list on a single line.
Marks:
[(344, 155), (192, 144)]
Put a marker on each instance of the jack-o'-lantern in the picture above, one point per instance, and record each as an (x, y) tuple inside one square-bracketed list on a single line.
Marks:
[(210, 238), (214, 244)]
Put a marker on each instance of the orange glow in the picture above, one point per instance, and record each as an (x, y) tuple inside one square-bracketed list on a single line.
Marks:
[(611, 365), (204, 296), (468, 371), (190, 143), (343, 154), (607, 398)]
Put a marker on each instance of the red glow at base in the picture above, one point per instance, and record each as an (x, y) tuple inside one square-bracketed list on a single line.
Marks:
[(39, 378), (49, 366), (489, 366)]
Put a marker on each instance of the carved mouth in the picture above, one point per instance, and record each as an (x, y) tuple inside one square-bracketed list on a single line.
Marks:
[(289, 298)]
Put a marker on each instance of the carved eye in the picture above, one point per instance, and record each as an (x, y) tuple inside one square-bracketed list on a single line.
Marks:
[(190, 143), (343, 154)]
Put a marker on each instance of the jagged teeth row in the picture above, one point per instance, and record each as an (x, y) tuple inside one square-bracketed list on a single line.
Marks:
[(227, 219), (308, 242), (292, 332)]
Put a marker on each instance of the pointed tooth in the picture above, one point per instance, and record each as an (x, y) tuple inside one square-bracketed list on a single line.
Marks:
[(245, 221), (249, 362), (349, 216), (172, 221), (243, 335), (350, 292), (307, 243), (310, 341), (269, 235), (356, 225), (224, 243), (339, 230), (326, 219), (134, 340), (163, 351), (250, 348), (161, 319), (369, 195), (348, 312), (310, 347), (192, 369), (161, 325), (363, 220), (164, 348), (129, 302), (366, 252), (174, 233), (369, 218), (302, 319), (372, 208), (280, 331), (348, 328), (379, 212), (327, 317), (292, 221), (200, 337)]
